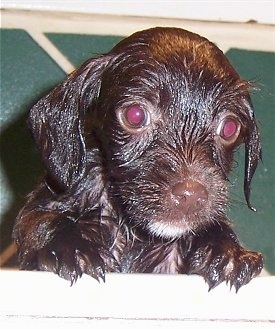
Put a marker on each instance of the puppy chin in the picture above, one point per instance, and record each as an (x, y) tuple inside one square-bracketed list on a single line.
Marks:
[(168, 230)]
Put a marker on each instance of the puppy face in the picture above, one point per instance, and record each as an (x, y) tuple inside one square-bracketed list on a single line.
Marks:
[(164, 112), (172, 111)]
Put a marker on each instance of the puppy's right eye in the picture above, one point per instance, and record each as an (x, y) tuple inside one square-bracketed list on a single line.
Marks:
[(133, 118)]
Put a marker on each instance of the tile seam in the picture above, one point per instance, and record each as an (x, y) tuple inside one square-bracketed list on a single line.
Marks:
[(60, 59)]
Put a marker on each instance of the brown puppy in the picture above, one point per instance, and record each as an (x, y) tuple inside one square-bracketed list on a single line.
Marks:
[(137, 146)]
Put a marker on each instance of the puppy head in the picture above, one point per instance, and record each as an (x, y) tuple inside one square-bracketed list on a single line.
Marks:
[(166, 111)]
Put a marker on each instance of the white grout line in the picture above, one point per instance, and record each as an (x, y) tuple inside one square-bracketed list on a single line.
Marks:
[(51, 50)]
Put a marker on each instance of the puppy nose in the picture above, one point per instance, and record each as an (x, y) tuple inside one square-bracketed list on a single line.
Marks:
[(190, 195)]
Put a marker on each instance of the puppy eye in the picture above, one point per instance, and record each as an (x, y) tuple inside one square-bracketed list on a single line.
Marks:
[(133, 117), (229, 129)]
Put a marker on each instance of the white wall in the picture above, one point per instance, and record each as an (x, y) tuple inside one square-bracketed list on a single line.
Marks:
[(262, 11)]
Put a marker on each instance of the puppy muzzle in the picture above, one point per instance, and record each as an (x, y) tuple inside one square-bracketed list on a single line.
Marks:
[(191, 196)]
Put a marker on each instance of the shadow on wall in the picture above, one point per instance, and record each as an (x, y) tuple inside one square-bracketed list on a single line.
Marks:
[(21, 168)]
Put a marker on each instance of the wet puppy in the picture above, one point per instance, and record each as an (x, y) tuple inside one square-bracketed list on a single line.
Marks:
[(137, 145)]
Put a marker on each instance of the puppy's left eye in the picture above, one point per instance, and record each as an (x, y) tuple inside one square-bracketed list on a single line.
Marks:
[(229, 130), (133, 118)]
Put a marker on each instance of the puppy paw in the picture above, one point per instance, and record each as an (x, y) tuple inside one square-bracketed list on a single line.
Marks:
[(236, 266), (70, 263), (70, 255)]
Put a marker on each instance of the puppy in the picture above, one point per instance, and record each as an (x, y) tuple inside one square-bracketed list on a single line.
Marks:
[(137, 145)]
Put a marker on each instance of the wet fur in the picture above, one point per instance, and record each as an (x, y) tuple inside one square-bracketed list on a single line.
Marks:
[(104, 204)]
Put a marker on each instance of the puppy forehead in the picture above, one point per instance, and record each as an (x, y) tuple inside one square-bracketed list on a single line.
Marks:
[(182, 71), (166, 44), (175, 46)]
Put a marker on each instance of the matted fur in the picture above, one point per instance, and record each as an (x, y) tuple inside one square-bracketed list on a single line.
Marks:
[(146, 196)]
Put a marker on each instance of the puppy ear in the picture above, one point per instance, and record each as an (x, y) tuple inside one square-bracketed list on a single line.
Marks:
[(253, 153), (56, 122)]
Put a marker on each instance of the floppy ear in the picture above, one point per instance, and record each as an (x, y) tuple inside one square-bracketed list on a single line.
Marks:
[(56, 122), (253, 153)]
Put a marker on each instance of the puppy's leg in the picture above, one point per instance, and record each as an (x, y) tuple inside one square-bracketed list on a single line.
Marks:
[(217, 256), (51, 237)]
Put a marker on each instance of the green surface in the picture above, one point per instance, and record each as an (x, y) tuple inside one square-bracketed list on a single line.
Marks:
[(77, 48), (257, 230), (27, 72)]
